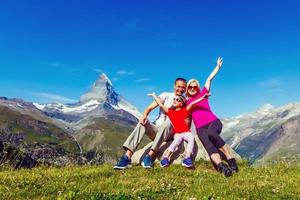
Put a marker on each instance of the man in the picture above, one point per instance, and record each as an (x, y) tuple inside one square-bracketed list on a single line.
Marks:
[(157, 131)]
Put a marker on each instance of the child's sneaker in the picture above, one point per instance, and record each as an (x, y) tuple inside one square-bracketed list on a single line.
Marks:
[(187, 162), (164, 162)]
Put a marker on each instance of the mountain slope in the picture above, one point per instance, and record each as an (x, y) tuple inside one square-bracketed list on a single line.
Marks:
[(289, 143), (24, 127), (106, 136), (266, 134)]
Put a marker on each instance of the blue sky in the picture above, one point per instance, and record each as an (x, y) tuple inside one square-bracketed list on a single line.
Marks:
[(54, 50)]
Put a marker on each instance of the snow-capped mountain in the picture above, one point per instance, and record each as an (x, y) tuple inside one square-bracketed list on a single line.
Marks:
[(99, 122), (265, 133), (100, 101)]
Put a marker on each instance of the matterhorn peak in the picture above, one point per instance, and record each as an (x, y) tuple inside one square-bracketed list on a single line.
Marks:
[(102, 91), (103, 77)]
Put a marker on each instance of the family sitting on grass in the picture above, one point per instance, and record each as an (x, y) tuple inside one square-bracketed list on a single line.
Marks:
[(173, 124)]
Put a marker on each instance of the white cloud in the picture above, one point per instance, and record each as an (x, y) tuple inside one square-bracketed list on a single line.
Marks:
[(271, 83), (124, 72), (61, 66), (150, 88), (98, 70), (276, 90), (53, 97), (142, 80)]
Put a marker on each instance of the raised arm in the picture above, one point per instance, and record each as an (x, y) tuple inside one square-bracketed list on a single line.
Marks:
[(190, 106), (158, 101), (214, 73)]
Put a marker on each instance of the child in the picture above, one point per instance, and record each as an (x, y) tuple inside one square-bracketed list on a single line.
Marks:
[(178, 115)]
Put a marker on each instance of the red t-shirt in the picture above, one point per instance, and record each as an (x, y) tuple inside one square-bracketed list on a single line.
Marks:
[(179, 120)]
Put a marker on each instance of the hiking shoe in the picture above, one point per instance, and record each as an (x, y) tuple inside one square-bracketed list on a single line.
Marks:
[(223, 168), (164, 162), (123, 163), (232, 164), (187, 162), (147, 162)]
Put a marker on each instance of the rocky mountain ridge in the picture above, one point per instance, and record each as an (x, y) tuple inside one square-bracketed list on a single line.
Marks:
[(266, 134)]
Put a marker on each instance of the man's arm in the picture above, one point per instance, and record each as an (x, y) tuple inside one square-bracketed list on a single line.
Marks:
[(190, 106), (213, 73), (151, 107)]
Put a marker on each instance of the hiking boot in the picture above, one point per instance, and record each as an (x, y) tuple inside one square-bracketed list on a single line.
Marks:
[(232, 164), (123, 163), (147, 162), (164, 162), (223, 168), (187, 162)]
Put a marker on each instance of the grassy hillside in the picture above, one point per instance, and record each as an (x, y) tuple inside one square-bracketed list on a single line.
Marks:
[(280, 181), (34, 131), (106, 136)]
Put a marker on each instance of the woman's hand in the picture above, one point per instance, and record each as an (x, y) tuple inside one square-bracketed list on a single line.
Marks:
[(213, 73), (219, 62)]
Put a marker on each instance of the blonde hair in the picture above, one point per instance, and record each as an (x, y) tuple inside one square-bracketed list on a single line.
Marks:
[(189, 83)]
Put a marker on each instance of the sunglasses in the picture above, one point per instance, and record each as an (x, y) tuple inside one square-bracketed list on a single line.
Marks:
[(193, 87), (178, 100)]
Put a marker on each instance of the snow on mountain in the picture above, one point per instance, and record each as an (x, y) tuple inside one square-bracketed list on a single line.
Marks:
[(39, 106), (86, 107), (265, 114), (100, 100), (123, 104), (252, 134), (265, 109), (237, 128)]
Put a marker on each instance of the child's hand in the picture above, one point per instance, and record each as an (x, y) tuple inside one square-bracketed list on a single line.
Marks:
[(152, 94)]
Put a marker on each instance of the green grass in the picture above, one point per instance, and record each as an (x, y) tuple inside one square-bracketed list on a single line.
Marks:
[(280, 181)]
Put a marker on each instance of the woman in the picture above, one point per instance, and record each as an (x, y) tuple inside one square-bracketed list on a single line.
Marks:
[(208, 125)]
